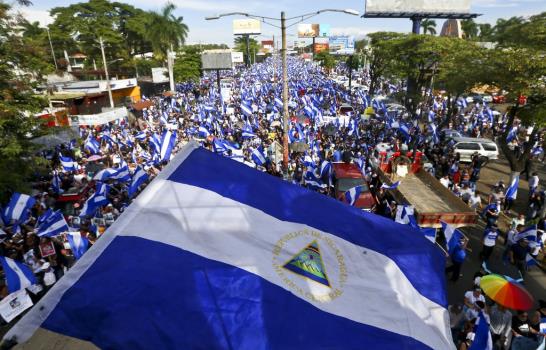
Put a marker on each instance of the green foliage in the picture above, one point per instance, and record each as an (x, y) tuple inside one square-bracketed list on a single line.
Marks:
[(520, 32), (79, 26), (165, 30), (240, 45), (380, 57), (460, 69), (187, 66), (18, 67), (470, 29), (325, 59), (428, 26)]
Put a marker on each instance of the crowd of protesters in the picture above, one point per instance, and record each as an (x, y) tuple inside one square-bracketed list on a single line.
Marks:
[(93, 179)]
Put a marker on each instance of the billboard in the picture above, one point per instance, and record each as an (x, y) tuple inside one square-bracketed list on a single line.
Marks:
[(417, 6), (160, 75), (319, 47), (324, 30), (237, 57), (216, 59), (307, 30), (246, 26), (342, 45), (314, 30)]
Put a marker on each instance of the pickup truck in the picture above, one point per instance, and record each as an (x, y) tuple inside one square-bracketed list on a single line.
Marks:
[(432, 201), (347, 176)]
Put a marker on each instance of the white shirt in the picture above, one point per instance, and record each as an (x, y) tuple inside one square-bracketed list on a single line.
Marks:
[(475, 201), (445, 181), (490, 238), (533, 181), (511, 236)]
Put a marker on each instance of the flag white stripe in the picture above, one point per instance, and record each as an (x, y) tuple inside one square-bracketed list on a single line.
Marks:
[(230, 231), (23, 280)]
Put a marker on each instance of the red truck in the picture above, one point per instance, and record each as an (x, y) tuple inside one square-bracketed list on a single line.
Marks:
[(347, 176), (432, 202)]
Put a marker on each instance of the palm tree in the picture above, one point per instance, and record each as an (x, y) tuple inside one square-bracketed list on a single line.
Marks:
[(470, 28), (165, 31), (429, 25), (486, 32)]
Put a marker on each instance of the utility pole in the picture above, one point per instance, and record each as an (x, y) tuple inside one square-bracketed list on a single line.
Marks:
[(106, 73), (247, 37), (170, 64), (52, 51), (284, 96)]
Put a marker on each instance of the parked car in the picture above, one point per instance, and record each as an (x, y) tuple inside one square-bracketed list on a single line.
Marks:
[(499, 98), (474, 98), (468, 146), (449, 134), (347, 176)]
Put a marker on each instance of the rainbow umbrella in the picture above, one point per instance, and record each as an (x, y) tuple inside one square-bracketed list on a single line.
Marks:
[(509, 294)]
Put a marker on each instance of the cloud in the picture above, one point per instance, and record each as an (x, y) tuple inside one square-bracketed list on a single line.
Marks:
[(357, 32), (33, 15), (501, 3)]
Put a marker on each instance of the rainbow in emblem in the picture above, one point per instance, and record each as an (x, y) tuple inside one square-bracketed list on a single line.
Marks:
[(308, 263)]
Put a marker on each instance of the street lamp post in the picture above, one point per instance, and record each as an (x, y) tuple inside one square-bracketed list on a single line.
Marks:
[(284, 98), (283, 28)]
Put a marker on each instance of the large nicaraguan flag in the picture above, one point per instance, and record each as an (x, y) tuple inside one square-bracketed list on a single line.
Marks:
[(216, 255)]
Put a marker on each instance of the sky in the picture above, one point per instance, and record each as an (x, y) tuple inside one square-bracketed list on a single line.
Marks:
[(219, 31)]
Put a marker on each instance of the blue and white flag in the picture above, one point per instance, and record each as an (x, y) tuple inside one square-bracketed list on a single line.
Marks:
[(391, 187), (56, 182), (512, 191), (512, 134), (53, 225), (429, 233), (68, 163), (18, 275), (141, 136), (18, 208), (98, 199), (258, 156), (530, 261), (122, 174), (247, 131), (351, 196), (246, 109), (78, 244), (105, 174), (210, 235), (453, 237), (312, 180), (325, 168), (482, 335), (530, 234), (168, 141), (139, 177), (92, 145)]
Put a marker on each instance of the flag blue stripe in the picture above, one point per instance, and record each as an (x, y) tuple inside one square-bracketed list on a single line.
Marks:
[(197, 303), (288, 202)]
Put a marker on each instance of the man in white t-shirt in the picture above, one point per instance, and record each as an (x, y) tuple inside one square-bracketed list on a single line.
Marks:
[(445, 181), (489, 240), (475, 201), (470, 299)]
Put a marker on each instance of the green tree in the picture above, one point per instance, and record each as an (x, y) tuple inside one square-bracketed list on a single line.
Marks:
[(470, 29), (18, 102), (486, 32), (520, 71), (429, 26), (79, 26), (240, 45), (187, 66), (380, 56), (520, 32), (326, 60), (166, 31), (459, 70)]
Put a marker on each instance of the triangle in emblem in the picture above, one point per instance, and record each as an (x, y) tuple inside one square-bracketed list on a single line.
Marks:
[(308, 263)]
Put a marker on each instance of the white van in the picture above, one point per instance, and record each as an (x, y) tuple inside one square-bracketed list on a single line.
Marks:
[(467, 146)]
